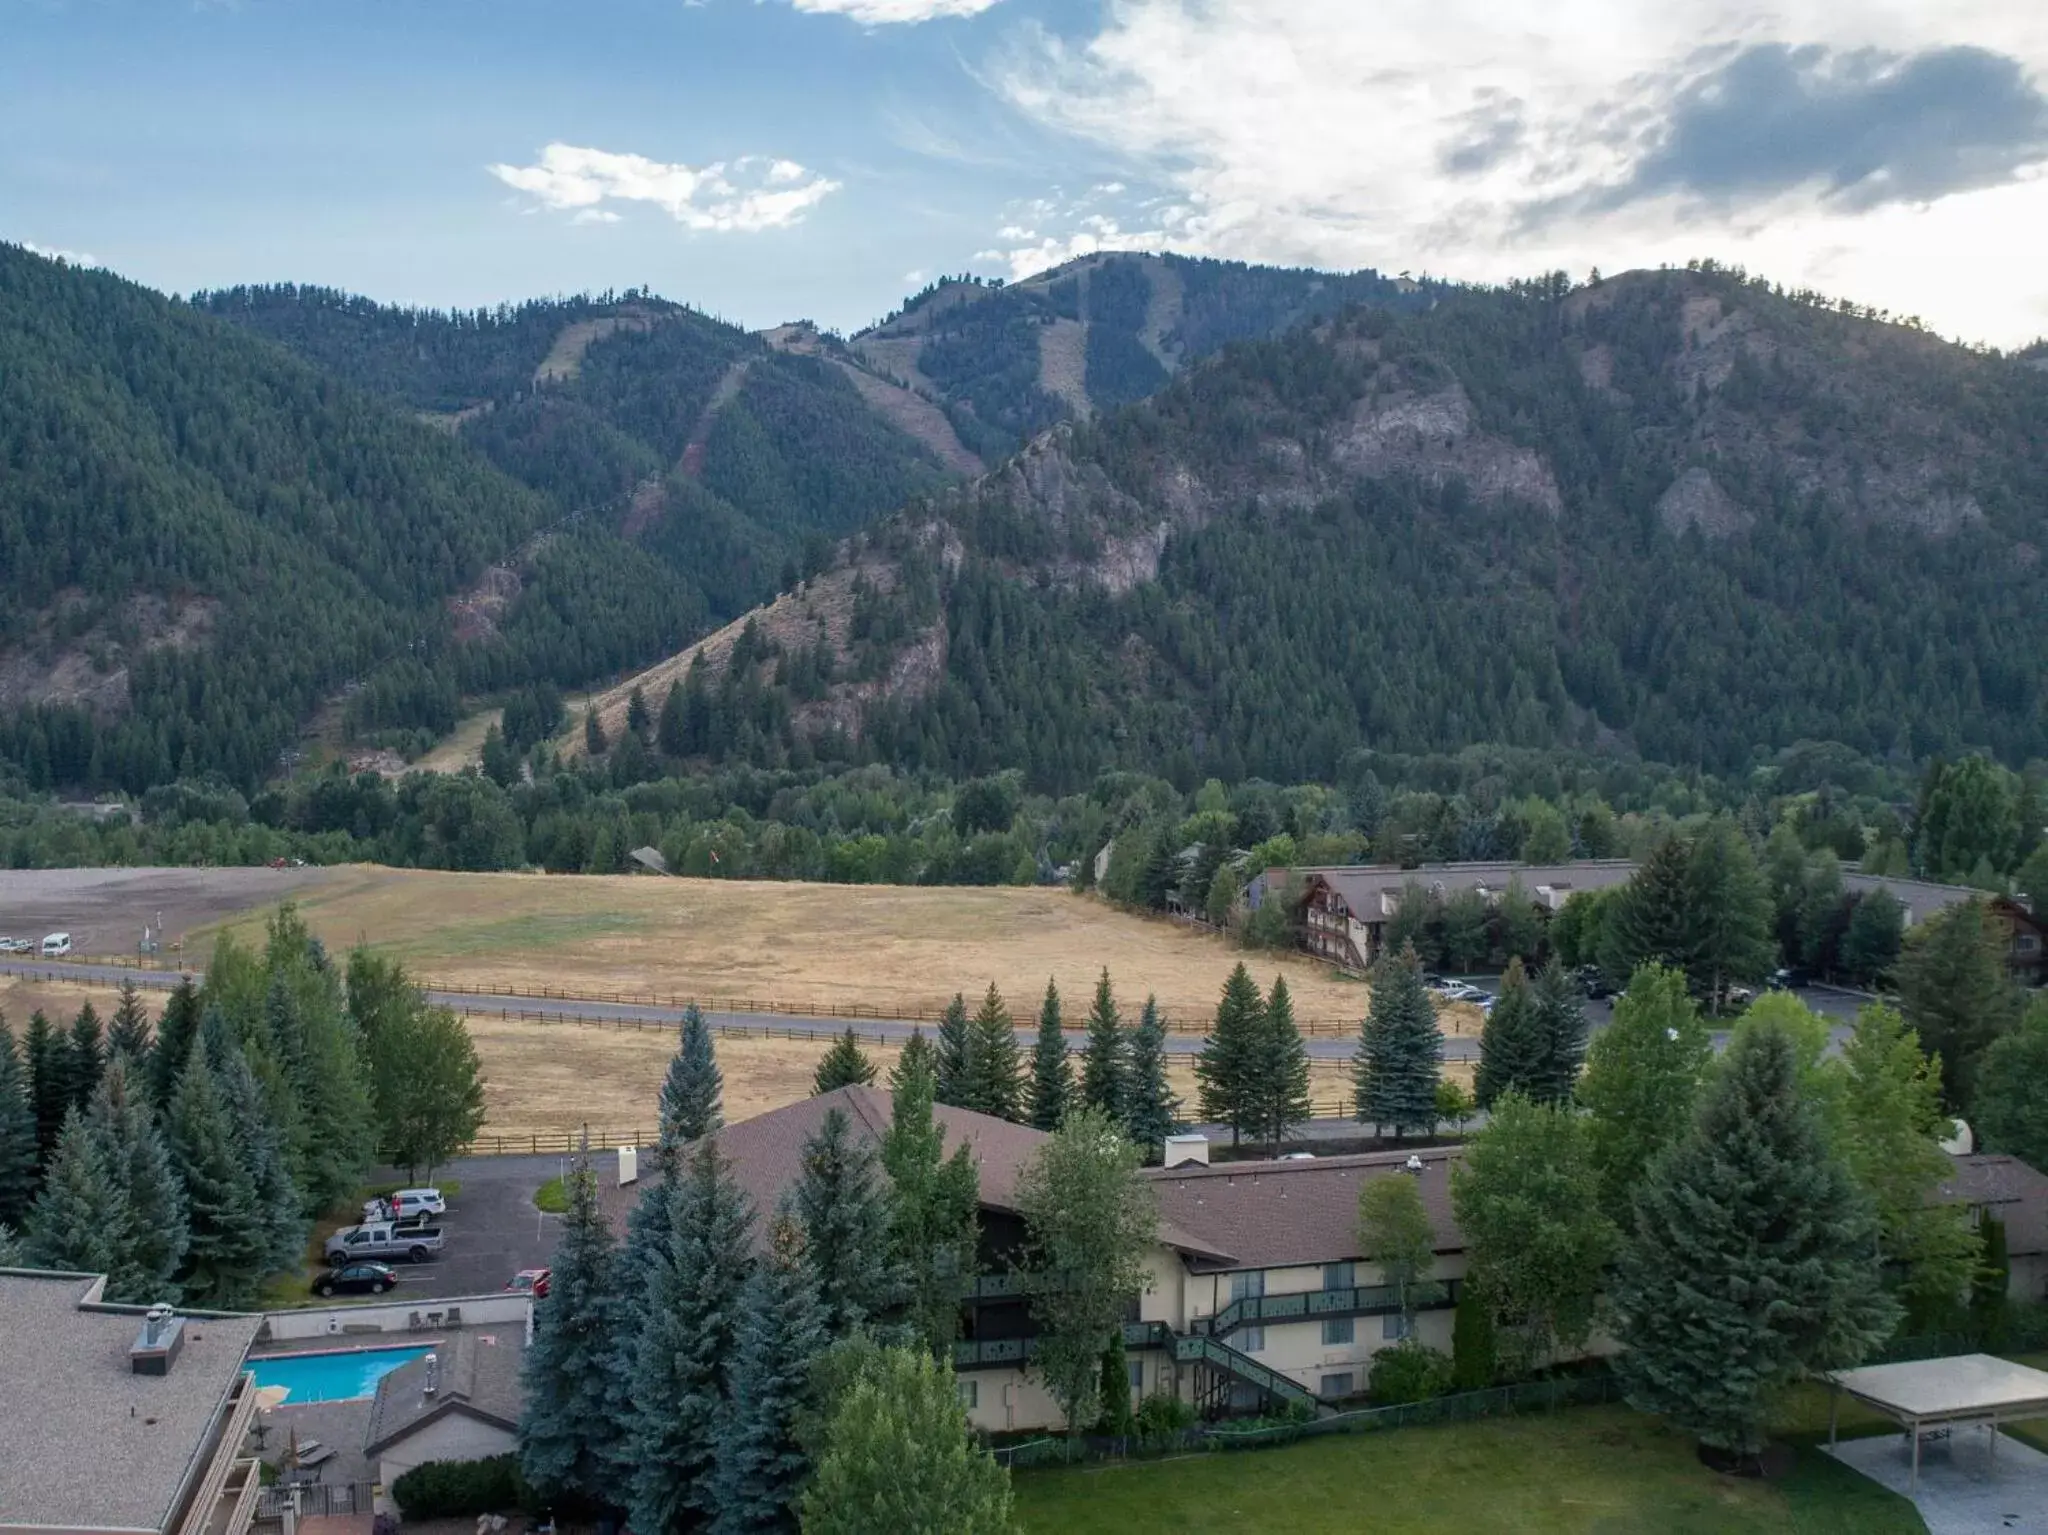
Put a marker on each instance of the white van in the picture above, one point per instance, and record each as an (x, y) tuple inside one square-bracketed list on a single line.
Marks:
[(56, 946)]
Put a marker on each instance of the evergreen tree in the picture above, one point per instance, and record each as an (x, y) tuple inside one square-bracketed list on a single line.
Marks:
[(2012, 1103), (1648, 919), (128, 1033), (18, 1150), (175, 1030), (84, 1056), (1953, 991), (1282, 1081), (761, 1468), (594, 740), (81, 1219), (1727, 914), (994, 1081), (646, 1250), (1561, 1019), (1400, 1049), (1153, 1110), (154, 1232), (1514, 1050), (49, 1080), (1052, 1078), (566, 1434), (638, 717), (1117, 1418), (955, 1048), (844, 1065), (231, 1231), (670, 732), (1106, 1063), (917, 1058), (680, 1391), (1643, 1075), (693, 1094), (1475, 1350), (1753, 1260), (843, 1207), (1870, 946), (1227, 1069), (279, 1202), (934, 1226)]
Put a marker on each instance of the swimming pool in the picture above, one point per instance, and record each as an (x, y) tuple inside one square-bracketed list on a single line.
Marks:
[(336, 1377)]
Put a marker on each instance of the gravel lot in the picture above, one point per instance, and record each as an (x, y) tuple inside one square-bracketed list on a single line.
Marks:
[(105, 910)]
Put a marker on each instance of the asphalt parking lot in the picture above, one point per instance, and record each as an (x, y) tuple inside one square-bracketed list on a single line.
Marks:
[(493, 1230)]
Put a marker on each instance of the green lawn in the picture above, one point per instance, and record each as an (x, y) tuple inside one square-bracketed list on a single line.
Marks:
[(552, 1197), (1595, 1469)]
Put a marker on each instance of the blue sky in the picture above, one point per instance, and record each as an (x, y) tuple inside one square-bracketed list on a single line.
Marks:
[(770, 159)]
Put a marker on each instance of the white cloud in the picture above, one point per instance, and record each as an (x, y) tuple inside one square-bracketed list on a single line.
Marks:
[(75, 258), (1431, 134), (743, 196), (873, 13)]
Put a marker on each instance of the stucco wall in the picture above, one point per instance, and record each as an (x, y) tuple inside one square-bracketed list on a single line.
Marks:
[(339, 1321), (457, 1436)]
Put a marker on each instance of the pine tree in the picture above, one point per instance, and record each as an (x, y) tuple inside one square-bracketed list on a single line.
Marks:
[(81, 1220), (18, 1151), (934, 1209), (1105, 1063), (1152, 1111), (1643, 1076), (917, 1057), (1281, 1093), (1227, 1070), (693, 1095), (956, 1046), (230, 1243), (175, 1031), (1400, 1049), (279, 1201), (1561, 1017), (84, 1056), (679, 1383), (843, 1207), (761, 1468), (566, 1433), (594, 740), (646, 1250), (1647, 920), (994, 1083), (844, 1065), (670, 732), (1727, 915), (128, 1032), (1052, 1078), (1754, 1257), (1954, 992), (638, 717), (1514, 1051), (155, 1233), (49, 1084)]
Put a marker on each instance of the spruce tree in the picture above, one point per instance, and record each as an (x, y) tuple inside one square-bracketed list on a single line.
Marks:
[(1152, 1110), (1647, 920), (128, 1033), (843, 1207), (646, 1250), (1642, 1079), (566, 1432), (679, 1382), (81, 1221), (638, 716), (917, 1057), (261, 1146), (1561, 1016), (1400, 1049), (761, 1468), (84, 1056), (955, 1048), (18, 1152), (156, 1233), (1954, 992), (175, 1031), (1281, 1092), (1514, 1052), (1754, 1258), (49, 1081), (1052, 1078), (693, 1095), (1227, 1070), (934, 1208), (994, 1083), (844, 1065), (1728, 914), (230, 1236), (594, 740), (1105, 1063)]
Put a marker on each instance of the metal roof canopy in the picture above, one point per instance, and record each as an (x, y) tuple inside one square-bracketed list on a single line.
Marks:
[(1963, 1388)]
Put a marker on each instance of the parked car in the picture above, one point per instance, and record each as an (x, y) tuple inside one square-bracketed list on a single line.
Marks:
[(356, 1279), (381, 1240), (532, 1282), (1594, 983), (405, 1204), (1789, 978), (16, 946)]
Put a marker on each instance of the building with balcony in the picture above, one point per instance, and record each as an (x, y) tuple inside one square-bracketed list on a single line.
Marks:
[(118, 1419), (1345, 910)]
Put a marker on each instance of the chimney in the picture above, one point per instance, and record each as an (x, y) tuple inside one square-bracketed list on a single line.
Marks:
[(1182, 1149), (156, 1347)]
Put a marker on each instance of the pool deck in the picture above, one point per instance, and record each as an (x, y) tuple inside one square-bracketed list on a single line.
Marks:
[(361, 1343)]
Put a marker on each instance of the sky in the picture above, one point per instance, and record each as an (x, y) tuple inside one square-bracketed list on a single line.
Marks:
[(769, 160)]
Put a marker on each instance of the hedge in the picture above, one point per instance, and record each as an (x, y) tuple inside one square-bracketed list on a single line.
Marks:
[(450, 1489)]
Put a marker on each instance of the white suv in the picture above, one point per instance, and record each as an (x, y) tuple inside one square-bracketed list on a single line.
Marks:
[(404, 1203)]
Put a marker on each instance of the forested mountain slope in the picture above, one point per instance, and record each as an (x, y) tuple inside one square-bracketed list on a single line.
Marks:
[(1674, 512)]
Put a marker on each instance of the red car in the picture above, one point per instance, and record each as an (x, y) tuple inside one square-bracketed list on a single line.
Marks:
[(532, 1282)]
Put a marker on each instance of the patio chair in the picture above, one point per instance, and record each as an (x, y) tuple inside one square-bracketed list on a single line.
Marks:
[(454, 1316), (413, 1323), (313, 1454)]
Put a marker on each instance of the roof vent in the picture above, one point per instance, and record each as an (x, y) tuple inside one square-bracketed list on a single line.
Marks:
[(433, 1364), (156, 1347), (1414, 1163), (1182, 1149)]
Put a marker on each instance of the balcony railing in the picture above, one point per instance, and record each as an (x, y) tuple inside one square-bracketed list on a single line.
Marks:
[(1312, 1305), (995, 1353)]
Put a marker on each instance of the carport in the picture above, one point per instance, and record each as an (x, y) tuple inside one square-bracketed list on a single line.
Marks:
[(1968, 1390)]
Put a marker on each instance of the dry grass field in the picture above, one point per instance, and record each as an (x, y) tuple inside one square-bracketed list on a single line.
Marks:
[(21, 998), (889, 948)]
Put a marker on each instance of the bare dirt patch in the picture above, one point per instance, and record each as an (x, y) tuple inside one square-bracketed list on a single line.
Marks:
[(1063, 365), (61, 664), (692, 461), (565, 357), (1162, 311), (105, 910), (914, 416), (464, 745)]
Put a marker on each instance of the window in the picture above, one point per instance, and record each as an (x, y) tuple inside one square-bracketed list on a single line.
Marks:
[(1137, 1375), (1336, 1330), (1336, 1385), (1339, 1276), (1250, 1340), (1248, 1285), (970, 1393), (1394, 1325)]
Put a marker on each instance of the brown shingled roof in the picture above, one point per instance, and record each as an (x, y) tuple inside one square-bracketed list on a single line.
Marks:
[(474, 1372), (2012, 1191)]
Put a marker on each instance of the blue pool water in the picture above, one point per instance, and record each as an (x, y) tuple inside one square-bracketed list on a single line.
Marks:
[(331, 1377)]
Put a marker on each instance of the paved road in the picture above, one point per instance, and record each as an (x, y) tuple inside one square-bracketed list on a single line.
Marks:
[(1837, 1005)]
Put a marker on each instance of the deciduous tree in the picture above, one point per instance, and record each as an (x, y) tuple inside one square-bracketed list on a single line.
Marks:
[(2012, 1102), (933, 1228), (1642, 1078), (1953, 991), (1394, 1232)]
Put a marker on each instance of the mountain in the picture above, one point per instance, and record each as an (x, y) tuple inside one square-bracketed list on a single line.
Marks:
[(1007, 360), (1679, 514)]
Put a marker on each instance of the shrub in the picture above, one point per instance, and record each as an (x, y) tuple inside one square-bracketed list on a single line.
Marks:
[(1161, 1415), (1409, 1372), (453, 1489)]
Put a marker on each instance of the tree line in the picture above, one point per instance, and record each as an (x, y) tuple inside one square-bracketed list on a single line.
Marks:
[(186, 1158)]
